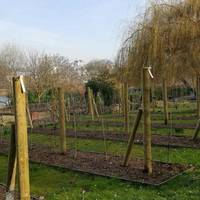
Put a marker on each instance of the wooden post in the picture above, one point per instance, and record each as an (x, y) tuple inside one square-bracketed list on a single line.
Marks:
[(196, 130), (132, 137), (153, 97), (147, 122), (165, 102), (12, 162), (21, 139), (90, 105), (68, 109), (198, 95), (28, 113), (62, 121), (126, 108), (122, 99), (95, 107)]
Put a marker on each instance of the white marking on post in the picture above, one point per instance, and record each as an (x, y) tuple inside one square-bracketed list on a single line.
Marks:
[(22, 83)]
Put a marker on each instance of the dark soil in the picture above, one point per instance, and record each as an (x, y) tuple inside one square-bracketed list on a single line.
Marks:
[(178, 126), (121, 124), (159, 140), (3, 194), (100, 164)]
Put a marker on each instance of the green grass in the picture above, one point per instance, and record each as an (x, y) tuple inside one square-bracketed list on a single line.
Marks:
[(59, 184), (64, 184)]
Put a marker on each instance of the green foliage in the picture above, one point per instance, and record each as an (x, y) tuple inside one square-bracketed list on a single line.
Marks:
[(46, 97), (106, 89)]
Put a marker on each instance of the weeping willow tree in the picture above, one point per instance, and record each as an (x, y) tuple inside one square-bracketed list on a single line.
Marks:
[(123, 78), (167, 38)]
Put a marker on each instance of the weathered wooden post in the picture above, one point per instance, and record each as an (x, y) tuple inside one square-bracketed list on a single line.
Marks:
[(126, 108), (68, 109), (28, 113), (62, 120), (165, 102), (90, 104), (95, 107), (147, 121), (198, 95), (132, 137), (153, 97), (21, 138), (12, 163), (197, 129), (122, 99)]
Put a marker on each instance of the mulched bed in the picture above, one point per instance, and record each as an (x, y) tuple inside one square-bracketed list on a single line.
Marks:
[(158, 140), (97, 164), (121, 124), (181, 126), (2, 192)]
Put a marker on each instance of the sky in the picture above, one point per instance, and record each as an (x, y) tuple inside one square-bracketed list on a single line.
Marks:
[(77, 29)]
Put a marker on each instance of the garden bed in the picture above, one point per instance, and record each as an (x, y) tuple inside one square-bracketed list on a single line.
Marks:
[(158, 140), (121, 124), (102, 165)]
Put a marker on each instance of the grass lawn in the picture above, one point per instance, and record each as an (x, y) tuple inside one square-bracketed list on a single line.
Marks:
[(62, 184), (59, 184)]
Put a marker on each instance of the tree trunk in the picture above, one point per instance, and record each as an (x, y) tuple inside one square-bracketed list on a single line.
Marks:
[(62, 121), (126, 108), (165, 102), (147, 122)]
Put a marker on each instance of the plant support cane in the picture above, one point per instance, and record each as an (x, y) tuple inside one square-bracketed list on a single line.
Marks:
[(147, 120)]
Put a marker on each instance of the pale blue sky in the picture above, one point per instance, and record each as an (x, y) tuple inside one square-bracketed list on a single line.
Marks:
[(78, 29)]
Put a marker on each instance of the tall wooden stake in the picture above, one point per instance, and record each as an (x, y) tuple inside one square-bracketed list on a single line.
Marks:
[(132, 137), (62, 121), (165, 102), (122, 99), (21, 139), (68, 109), (90, 104), (153, 96), (12, 162), (28, 113), (198, 95), (95, 107), (197, 129), (147, 122), (126, 108)]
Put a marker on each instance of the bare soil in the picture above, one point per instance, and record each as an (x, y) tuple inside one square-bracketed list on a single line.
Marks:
[(16, 195), (121, 124), (103, 165), (2, 192)]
